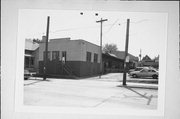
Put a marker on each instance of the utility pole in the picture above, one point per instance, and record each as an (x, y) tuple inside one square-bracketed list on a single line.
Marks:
[(101, 21), (140, 55), (46, 50), (126, 52)]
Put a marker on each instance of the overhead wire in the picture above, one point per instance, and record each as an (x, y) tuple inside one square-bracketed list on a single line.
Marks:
[(77, 28), (111, 26), (89, 27), (123, 23), (104, 34)]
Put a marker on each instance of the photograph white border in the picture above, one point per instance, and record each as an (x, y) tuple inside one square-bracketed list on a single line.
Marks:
[(19, 106)]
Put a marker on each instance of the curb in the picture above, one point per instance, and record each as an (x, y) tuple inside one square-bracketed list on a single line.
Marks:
[(139, 86)]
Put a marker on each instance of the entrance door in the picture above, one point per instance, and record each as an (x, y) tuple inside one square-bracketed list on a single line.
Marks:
[(64, 56)]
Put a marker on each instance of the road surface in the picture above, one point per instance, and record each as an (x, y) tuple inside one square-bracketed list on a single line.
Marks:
[(90, 92)]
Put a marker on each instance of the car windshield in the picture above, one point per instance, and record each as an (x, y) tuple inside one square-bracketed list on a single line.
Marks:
[(144, 70)]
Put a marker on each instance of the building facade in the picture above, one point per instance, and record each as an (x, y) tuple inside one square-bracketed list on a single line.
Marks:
[(70, 57)]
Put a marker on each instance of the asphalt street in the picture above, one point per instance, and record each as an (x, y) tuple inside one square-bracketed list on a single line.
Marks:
[(90, 92)]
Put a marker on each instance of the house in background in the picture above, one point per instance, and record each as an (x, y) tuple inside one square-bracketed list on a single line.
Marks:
[(31, 55), (133, 61), (111, 63), (147, 61), (78, 58)]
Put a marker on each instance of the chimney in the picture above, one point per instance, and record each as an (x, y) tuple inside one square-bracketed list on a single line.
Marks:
[(43, 39)]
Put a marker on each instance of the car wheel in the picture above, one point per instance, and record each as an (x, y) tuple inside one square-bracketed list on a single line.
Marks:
[(134, 76), (154, 76)]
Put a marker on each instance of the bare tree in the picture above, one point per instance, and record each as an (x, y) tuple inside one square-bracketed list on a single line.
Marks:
[(110, 48)]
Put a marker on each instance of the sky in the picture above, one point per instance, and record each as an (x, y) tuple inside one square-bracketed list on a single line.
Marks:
[(147, 30)]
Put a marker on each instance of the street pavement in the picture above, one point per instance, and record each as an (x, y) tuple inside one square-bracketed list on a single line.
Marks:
[(94, 92)]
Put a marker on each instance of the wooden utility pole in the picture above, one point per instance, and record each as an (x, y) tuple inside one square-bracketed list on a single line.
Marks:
[(101, 21), (140, 55), (126, 52), (46, 50)]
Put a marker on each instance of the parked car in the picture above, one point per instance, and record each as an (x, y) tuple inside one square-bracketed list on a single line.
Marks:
[(137, 69), (26, 74), (145, 73)]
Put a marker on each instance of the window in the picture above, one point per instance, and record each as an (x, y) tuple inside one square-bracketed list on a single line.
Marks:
[(55, 55), (152, 71), (138, 69), (144, 70), (95, 57), (88, 56), (32, 61), (29, 62)]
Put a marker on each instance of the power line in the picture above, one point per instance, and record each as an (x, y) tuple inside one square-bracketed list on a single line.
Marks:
[(77, 28), (134, 22), (71, 29), (111, 26), (91, 27)]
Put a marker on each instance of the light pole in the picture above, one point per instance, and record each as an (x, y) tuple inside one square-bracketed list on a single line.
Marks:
[(126, 52), (46, 50)]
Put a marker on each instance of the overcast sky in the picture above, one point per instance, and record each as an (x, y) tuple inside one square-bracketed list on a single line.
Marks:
[(147, 30)]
